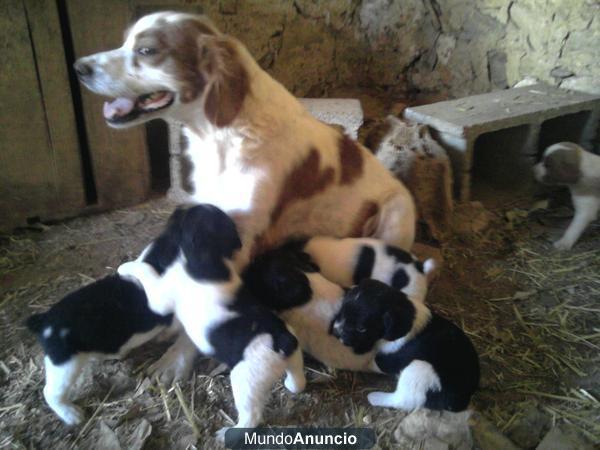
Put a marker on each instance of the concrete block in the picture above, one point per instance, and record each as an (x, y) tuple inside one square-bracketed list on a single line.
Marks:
[(514, 125), (345, 112)]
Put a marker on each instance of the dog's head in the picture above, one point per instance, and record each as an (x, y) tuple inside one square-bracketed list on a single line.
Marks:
[(370, 312), (171, 65), (560, 164)]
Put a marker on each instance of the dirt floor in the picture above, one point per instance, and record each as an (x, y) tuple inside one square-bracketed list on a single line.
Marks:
[(532, 312)]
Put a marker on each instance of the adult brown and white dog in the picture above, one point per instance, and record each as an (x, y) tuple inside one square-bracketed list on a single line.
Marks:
[(254, 151), (568, 164)]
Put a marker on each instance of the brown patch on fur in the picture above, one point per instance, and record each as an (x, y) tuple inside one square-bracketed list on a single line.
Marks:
[(186, 168), (351, 160), (177, 49), (368, 210), (304, 181), (229, 87), (563, 166), (376, 135)]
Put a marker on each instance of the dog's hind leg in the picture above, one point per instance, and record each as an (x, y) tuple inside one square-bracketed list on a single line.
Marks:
[(586, 210), (252, 380), (396, 222), (414, 382), (295, 381), (60, 378)]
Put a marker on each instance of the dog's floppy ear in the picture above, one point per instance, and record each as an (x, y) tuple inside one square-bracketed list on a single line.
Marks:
[(398, 318), (208, 230), (228, 80), (36, 322)]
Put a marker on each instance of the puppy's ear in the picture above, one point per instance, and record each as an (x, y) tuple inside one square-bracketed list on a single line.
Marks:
[(228, 80), (209, 231), (36, 322), (398, 320)]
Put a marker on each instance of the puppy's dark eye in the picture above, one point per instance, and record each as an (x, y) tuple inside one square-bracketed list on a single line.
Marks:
[(361, 330), (146, 51)]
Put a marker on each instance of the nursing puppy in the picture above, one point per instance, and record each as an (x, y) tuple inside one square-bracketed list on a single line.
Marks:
[(220, 314), (287, 280), (102, 320), (436, 364), (348, 261), (568, 164)]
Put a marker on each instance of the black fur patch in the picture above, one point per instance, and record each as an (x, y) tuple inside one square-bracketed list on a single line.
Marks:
[(204, 234), (372, 311), (400, 279), (453, 357), (364, 264), (419, 266), (278, 278), (98, 318), (400, 255), (231, 338)]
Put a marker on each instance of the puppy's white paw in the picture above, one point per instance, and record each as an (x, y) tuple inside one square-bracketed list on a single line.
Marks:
[(70, 414), (170, 368), (563, 244), (131, 268), (379, 398), (295, 384), (220, 435)]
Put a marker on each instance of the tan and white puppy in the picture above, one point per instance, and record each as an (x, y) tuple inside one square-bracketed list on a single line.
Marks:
[(568, 164), (252, 148)]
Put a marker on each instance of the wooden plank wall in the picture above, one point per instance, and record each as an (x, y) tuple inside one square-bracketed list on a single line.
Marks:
[(40, 168), (119, 157)]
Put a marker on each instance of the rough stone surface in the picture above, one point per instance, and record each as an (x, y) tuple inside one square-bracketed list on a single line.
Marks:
[(529, 427), (563, 437), (517, 116), (456, 47), (444, 427), (347, 113), (411, 154), (487, 436)]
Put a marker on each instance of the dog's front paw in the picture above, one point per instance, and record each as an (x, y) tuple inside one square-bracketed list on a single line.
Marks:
[(563, 244), (171, 367), (131, 268), (70, 414), (220, 435), (295, 384), (380, 398)]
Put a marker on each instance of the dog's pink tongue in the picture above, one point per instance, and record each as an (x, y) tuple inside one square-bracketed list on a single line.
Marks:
[(118, 107)]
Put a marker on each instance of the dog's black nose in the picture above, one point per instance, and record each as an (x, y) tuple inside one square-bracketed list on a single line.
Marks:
[(83, 69)]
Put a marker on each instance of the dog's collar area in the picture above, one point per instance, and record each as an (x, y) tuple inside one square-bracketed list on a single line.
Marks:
[(124, 109)]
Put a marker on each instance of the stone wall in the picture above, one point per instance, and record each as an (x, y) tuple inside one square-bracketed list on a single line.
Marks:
[(447, 47)]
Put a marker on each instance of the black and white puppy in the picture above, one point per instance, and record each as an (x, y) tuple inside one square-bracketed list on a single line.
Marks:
[(218, 312), (348, 261), (285, 280), (568, 164), (436, 363), (102, 320)]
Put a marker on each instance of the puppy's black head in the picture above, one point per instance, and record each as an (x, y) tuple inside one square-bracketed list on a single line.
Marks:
[(206, 236), (370, 312), (278, 278), (560, 165)]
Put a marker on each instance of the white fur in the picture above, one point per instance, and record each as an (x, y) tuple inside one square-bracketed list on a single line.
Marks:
[(585, 194), (414, 382), (60, 378), (242, 167), (201, 306), (311, 324), (337, 259)]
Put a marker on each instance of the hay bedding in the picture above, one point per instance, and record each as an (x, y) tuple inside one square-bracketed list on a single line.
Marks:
[(531, 312)]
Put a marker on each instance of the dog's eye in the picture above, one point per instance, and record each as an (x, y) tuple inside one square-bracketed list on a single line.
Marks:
[(361, 330), (146, 51)]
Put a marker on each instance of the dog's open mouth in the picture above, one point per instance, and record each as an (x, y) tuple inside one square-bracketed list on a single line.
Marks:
[(124, 109)]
